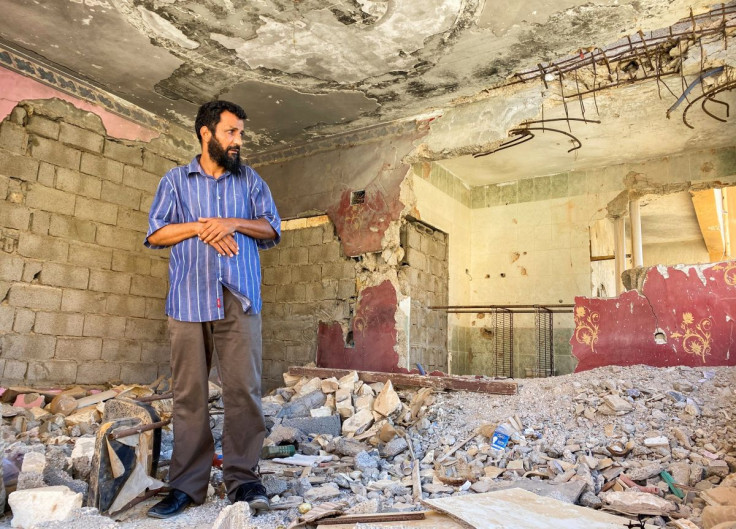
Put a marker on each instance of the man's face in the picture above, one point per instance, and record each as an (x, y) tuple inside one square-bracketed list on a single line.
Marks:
[(224, 146)]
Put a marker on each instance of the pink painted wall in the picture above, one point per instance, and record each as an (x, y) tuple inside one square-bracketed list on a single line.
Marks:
[(691, 309), (15, 88)]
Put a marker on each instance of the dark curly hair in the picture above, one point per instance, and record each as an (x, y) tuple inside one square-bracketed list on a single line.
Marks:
[(208, 115)]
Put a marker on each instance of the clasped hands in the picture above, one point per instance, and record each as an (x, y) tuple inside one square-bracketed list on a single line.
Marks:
[(218, 233)]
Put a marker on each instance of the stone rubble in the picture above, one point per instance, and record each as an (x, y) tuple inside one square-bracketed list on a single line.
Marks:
[(608, 438)]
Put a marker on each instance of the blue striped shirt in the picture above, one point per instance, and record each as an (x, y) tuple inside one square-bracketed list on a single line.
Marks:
[(197, 272)]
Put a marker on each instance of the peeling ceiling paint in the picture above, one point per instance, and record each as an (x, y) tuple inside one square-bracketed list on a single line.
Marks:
[(305, 69)]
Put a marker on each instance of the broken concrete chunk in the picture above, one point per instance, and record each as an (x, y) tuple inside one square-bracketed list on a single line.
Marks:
[(330, 385), (358, 423), (633, 502), (387, 402), (322, 411), (299, 407), (348, 381), (235, 516), (312, 385), (720, 496), (34, 506), (394, 447), (290, 380), (323, 492), (656, 441), (341, 395), (714, 515), (329, 425), (613, 404), (345, 408), (717, 468), (34, 462), (643, 472)]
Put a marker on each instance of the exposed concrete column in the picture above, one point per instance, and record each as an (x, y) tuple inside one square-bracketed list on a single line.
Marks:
[(636, 244), (619, 241)]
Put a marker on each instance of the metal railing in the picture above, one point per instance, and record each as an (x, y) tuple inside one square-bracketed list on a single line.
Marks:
[(502, 327)]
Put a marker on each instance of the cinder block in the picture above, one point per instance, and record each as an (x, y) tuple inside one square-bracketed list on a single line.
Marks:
[(149, 286), (98, 373), (156, 164), (43, 127), (15, 370), (346, 288), (325, 253), (121, 238), (96, 210), (46, 174), (24, 320), (316, 425), (120, 350), (57, 371), (142, 329), (291, 293), (121, 195), (104, 168), (160, 268), (28, 347), (78, 183), (7, 316), (114, 282), (16, 166), (293, 256), (140, 179), (159, 352), (81, 138), (138, 373), (130, 262), (48, 199), (58, 323), (104, 326), (125, 306), (276, 275), (80, 349), (82, 301), (13, 137), (306, 273), (31, 271), (35, 296), (146, 201), (338, 270), (131, 155), (90, 255), (133, 220), (326, 289), (71, 228), (41, 247), (155, 309), (164, 369), (11, 267), (310, 308), (40, 222), (60, 275), (308, 236), (4, 185), (55, 152)]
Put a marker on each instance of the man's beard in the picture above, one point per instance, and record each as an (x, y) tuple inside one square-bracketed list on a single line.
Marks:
[(230, 162)]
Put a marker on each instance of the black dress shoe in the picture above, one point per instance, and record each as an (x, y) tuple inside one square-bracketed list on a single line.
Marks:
[(174, 503), (254, 493)]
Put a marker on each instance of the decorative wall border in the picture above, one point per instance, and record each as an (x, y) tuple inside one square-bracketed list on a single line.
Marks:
[(24, 65)]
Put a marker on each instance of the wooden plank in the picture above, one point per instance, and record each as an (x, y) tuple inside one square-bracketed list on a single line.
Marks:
[(522, 510), (472, 384), (431, 520)]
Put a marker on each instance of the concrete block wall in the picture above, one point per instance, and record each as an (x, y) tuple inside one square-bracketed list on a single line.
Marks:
[(306, 279), (81, 299), (424, 279)]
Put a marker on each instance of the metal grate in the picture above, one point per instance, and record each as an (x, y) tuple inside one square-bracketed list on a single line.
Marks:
[(545, 345), (503, 342)]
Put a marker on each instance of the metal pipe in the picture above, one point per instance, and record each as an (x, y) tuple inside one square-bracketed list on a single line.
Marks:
[(619, 241), (636, 242)]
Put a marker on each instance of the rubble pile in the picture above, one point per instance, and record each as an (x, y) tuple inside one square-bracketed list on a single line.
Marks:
[(655, 443)]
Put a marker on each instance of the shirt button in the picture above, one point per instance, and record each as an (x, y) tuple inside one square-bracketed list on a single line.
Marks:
[(219, 278), (218, 197)]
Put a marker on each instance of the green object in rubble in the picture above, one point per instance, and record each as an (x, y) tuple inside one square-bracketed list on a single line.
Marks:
[(667, 477), (269, 452)]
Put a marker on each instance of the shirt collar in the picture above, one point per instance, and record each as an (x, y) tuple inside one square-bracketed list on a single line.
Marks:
[(194, 168)]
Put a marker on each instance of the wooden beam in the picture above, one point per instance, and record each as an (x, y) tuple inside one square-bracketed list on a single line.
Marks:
[(710, 222), (473, 384), (376, 517)]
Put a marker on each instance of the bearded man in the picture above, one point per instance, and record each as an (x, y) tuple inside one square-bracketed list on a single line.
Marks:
[(215, 214)]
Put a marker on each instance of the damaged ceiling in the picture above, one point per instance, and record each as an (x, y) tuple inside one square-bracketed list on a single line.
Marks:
[(304, 69)]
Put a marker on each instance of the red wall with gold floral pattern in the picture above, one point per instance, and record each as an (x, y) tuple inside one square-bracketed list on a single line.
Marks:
[(683, 315)]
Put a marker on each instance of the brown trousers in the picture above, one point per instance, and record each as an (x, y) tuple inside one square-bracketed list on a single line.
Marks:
[(237, 340)]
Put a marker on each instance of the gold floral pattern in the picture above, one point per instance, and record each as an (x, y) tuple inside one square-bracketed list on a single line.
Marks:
[(696, 338), (729, 274), (586, 327)]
